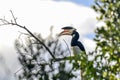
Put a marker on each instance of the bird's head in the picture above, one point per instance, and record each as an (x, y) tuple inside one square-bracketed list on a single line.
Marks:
[(67, 31)]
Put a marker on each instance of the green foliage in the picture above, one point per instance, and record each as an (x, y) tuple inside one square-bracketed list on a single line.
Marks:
[(108, 40)]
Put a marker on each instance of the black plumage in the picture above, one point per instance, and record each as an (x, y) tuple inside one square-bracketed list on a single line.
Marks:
[(75, 37), (75, 42)]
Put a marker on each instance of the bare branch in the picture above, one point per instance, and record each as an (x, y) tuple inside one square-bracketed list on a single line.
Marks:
[(5, 22), (13, 17)]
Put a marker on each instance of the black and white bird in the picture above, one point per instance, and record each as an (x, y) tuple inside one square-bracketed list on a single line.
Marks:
[(68, 30)]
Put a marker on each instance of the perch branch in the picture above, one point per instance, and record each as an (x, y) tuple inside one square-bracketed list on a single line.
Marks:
[(5, 22)]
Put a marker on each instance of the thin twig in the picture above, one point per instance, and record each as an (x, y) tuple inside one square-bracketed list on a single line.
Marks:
[(23, 33), (55, 47), (13, 17), (18, 70), (67, 46)]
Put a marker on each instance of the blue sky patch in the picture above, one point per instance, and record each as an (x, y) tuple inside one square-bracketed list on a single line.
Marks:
[(87, 3), (90, 36)]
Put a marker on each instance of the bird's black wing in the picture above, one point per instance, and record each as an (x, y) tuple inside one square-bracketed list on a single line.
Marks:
[(80, 45)]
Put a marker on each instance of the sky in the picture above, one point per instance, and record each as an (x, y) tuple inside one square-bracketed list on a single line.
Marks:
[(38, 16), (86, 3)]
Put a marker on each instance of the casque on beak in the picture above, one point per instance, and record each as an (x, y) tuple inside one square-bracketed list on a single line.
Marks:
[(68, 30)]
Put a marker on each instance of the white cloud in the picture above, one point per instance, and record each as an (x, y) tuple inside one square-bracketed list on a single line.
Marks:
[(38, 16)]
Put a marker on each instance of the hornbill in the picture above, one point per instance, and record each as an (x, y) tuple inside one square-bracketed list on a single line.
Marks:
[(68, 30)]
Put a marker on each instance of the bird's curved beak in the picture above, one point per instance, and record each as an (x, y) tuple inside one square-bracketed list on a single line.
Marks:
[(65, 32)]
